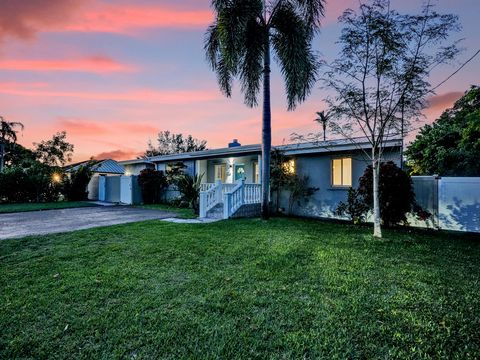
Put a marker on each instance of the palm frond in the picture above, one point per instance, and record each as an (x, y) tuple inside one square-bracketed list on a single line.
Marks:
[(252, 62), (291, 42)]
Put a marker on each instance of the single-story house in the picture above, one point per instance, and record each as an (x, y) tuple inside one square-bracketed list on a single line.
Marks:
[(231, 176), (106, 168)]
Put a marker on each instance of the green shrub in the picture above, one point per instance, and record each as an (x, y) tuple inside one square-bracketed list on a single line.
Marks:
[(354, 208), (76, 187), (35, 183), (395, 190), (152, 183)]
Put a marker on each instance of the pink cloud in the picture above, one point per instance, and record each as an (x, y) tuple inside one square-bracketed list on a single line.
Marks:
[(122, 18), (93, 64), (141, 95), (444, 101), (77, 126), (118, 154), (22, 19)]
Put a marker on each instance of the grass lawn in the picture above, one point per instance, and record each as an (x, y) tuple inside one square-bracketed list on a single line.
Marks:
[(182, 213), (9, 208), (282, 289)]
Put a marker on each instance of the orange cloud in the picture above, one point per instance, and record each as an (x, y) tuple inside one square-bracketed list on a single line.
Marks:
[(93, 64), (141, 95), (118, 155)]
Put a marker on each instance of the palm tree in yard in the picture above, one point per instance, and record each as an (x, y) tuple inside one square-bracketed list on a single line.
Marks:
[(238, 45)]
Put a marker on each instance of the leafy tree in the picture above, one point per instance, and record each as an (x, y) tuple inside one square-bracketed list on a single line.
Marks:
[(152, 182), (171, 143), (238, 45), (380, 79), (397, 197), (18, 155), (56, 151), (451, 145), (8, 136)]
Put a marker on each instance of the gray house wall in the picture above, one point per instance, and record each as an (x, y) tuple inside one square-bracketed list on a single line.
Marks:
[(318, 168)]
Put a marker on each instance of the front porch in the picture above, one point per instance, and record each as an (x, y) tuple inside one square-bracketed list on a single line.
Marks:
[(228, 184), (221, 200), (230, 170)]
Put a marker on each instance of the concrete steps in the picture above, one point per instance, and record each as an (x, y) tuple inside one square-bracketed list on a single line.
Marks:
[(216, 212)]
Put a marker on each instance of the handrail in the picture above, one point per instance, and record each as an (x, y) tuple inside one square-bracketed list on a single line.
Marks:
[(233, 196), (209, 198)]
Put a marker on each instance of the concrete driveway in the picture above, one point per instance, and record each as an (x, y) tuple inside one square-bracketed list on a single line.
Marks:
[(16, 225)]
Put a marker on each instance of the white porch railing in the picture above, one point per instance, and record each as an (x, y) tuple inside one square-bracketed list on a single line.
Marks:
[(206, 186), (232, 195), (241, 194), (210, 197)]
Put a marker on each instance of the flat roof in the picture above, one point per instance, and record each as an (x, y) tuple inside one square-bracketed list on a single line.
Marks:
[(289, 149)]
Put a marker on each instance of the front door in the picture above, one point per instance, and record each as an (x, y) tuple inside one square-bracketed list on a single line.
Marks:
[(239, 172), (220, 172)]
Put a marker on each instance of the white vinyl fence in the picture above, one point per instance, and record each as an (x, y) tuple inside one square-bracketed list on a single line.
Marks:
[(454, 202)]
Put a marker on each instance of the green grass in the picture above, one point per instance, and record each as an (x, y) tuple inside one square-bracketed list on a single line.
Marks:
[(182, 213), (9, 208), (244, 289)]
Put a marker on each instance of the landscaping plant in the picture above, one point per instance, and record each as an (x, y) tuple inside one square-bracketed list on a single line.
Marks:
[(397, 197), (152, 183), (189, 187), (76, 187)]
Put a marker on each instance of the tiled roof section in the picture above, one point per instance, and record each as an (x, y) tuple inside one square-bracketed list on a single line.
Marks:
[(107, 166)]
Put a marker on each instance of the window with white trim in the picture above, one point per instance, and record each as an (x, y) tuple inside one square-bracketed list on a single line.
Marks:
[(342, 172)]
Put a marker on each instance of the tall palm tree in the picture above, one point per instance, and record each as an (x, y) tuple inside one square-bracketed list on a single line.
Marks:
[(238, 45), (7, 134)]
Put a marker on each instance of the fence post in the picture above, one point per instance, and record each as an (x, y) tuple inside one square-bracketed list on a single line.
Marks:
[(203, 204)]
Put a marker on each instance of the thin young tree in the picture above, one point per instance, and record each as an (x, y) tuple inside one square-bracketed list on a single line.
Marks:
[(238, 45), (380, 79)]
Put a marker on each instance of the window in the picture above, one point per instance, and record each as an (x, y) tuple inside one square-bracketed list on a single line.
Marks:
[(221, 172), (289, 167), (342, 172)]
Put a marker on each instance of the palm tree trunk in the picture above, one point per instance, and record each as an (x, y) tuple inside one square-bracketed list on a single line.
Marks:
[(266, 130)]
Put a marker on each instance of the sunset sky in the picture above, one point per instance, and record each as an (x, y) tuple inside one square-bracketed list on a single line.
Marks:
[(114, 73)]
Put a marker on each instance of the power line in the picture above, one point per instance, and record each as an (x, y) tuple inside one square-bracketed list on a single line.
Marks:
[(456, 71)]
